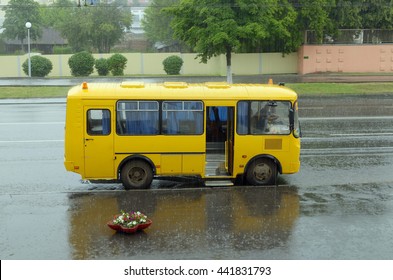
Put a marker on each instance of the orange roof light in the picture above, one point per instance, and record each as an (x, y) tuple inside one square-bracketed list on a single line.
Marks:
[(84, 85), (270, 82)]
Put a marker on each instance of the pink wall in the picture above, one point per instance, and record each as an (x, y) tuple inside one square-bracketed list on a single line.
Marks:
[(340, 58)]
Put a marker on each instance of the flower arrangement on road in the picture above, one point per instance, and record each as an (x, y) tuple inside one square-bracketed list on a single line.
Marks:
[(130, 219), (129, 222)]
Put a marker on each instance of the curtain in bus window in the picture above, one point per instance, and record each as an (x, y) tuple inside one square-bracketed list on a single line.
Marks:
[(182, 117), (171, 114), (149, 117), (139, 118), (222, 114), (132, 125), (194, 116), (198, 117), (242, 117)]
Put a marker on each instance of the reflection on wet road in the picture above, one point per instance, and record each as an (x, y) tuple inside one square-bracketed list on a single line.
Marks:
[(194, 223), (339, 206)]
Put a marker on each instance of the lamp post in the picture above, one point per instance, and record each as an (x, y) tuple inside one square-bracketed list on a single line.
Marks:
[(28, 26)]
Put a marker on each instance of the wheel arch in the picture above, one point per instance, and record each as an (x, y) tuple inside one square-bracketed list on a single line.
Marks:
[(135, 157)]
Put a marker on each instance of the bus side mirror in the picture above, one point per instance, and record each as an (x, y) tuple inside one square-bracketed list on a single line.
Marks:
[(296, 130)]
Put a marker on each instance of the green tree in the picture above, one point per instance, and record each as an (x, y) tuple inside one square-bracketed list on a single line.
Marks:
[(346, 14), (156, 23), (59, 11), (76, 28), (313, 15), (215, 27), (107, 25), (100, 26), (377, 14), (17, 13)]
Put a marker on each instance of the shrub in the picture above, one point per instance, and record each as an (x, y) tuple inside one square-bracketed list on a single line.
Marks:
[(117, 64), (102, 66), (62, 50), (40, 66), (81, 64), (172, 64)]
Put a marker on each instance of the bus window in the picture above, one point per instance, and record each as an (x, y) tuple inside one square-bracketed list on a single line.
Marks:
[(269, 117), (98, 122), (137, 118), (242, 117), (182, 117)]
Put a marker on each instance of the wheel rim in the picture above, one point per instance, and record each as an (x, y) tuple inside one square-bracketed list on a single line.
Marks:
[(137, 175), (262, 172)]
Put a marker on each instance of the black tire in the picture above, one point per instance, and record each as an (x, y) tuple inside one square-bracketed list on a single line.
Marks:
[(262, 172), (136, 174)]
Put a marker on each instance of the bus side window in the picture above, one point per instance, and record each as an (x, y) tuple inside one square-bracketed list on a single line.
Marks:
[(182, 117), (98, 122)]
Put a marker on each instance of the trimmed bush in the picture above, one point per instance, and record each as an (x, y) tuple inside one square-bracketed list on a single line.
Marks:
[(40, 66), (172, 64), (62, 50), (102, 66), (81, 64), (117, 64)]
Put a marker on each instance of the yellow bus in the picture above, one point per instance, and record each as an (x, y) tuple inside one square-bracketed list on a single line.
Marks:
[(134, 132)]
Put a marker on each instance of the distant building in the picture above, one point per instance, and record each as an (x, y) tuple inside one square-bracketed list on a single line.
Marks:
[(49, 39)]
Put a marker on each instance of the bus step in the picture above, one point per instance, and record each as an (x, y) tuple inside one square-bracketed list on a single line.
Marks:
[(217, 183)]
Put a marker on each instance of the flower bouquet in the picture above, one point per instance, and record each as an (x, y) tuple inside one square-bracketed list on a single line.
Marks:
[(129, 222)]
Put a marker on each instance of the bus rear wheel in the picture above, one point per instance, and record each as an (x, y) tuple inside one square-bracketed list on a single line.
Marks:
[(136, 174), (262, 171)]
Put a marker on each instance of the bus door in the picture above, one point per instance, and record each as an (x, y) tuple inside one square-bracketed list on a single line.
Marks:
[(219, 140), (98, 141), (230, 140)]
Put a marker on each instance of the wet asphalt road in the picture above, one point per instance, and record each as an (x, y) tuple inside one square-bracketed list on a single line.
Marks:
[(339, 206)]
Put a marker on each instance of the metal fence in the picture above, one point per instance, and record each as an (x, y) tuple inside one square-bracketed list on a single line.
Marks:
[(351, 36)]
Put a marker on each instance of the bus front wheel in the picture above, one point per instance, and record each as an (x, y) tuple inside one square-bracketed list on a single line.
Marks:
[(136, 174), (262, 171)]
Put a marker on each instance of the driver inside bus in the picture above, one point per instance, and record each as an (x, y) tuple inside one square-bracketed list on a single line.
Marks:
[(268, 118)]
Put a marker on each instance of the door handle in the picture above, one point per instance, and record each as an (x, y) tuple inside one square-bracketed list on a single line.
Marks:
[(89, 139)]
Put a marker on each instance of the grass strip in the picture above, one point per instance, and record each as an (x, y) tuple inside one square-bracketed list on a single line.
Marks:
[(303, 89), (33, 92), (328, 89)]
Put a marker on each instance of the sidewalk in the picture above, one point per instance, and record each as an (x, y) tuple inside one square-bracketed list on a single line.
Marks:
[(286, 78)]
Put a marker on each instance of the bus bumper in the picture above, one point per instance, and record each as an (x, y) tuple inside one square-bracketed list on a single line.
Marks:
[(69, 166)]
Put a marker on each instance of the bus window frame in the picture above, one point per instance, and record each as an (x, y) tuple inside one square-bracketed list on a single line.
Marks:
[(183, 109), (249, 117), (158, 131)]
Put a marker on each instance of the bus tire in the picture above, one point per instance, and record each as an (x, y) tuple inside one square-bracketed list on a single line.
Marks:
[(262, 172), (136, 174)]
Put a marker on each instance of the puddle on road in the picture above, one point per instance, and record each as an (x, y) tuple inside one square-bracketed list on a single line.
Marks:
[(189, 223)]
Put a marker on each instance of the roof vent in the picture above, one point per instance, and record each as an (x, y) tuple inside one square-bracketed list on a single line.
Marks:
[(132, 84)]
